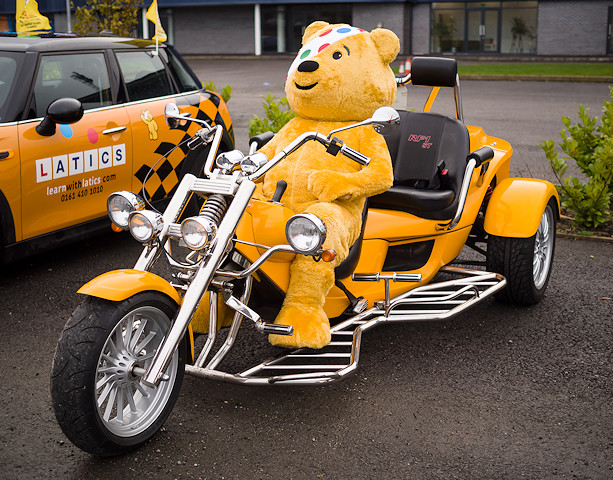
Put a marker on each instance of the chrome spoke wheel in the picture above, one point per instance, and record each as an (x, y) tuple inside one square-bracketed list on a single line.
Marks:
[(126, 406)]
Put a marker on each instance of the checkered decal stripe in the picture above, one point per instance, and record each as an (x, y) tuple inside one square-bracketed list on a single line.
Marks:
[(164, 179)]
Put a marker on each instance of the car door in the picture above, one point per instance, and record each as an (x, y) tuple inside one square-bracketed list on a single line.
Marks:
[(149, 89), (66, 177)]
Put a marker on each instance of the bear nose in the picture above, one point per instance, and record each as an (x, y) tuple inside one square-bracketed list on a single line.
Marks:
[(308, 66)]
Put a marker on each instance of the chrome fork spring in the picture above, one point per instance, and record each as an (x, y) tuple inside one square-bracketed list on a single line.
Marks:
[(214, 208)]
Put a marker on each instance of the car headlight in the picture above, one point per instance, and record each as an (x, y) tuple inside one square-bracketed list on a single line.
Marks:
[(197, 232), (120, 205), (145, 225), (306, 233)]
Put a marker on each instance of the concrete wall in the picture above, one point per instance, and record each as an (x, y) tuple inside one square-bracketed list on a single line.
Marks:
[(214, 30), (387, 15), (421, 29), (573, 28)]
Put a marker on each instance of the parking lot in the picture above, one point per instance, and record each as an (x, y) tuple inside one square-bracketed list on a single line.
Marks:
[(500, 392)]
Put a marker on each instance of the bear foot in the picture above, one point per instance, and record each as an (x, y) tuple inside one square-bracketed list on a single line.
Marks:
[(311, 327)]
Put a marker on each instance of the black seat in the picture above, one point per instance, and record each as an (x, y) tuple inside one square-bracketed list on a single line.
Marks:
[(428, 153)]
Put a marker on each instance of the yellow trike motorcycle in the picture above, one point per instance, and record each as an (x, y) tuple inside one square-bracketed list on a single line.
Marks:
[(217, 251)]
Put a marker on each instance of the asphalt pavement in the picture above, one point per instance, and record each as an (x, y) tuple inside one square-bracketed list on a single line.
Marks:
[(501, 392)]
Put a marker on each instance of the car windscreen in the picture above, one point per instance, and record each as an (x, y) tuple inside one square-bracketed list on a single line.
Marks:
[(9, 66)]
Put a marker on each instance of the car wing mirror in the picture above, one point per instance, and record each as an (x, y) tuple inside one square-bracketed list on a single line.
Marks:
[(62, 110), (385, 121)]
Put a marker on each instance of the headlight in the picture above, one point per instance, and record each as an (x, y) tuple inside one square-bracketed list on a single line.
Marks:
[(121, 204), (306, 233), (197, 232), (252, 163), (145, 225), (225, 161)]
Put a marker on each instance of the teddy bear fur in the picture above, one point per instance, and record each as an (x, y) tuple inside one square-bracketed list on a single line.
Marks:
[(343, 84)]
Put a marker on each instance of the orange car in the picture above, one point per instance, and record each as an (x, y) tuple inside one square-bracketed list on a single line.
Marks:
[(60, 157)]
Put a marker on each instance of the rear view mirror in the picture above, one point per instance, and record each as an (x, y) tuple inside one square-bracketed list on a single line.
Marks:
[(172, 115), (385, 120), (62, 110)]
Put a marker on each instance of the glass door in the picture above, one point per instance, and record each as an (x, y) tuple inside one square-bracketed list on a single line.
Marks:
[(483, 30)]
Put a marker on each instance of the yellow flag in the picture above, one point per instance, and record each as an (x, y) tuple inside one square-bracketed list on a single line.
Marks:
[(154, 16), (28, 17)]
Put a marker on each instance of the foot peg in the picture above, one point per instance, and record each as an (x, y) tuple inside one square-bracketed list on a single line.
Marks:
[(271, 328), (266, 328)]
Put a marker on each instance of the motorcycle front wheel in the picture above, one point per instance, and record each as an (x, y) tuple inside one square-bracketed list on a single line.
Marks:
[(99, 399)]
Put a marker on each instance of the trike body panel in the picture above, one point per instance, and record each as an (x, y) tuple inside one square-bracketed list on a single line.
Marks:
[(119, 285), (516, 206)]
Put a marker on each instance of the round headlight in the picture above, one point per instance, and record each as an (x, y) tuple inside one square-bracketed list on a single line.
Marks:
[(225, 161), (197, 232), (121, 204), (252, 163), (306, 233), (145, 225)]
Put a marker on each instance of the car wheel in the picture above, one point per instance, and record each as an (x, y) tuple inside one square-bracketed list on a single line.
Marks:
[(524, 262)]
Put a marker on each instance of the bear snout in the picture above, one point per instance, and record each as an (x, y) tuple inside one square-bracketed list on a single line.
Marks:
[(308, 66)]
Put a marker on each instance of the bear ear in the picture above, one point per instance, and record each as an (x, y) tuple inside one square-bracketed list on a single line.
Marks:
[(387, 44), (313, 29)]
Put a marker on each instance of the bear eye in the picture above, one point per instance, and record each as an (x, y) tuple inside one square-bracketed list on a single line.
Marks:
[(336, 55)]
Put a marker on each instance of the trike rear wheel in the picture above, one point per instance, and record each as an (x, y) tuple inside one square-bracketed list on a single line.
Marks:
[(524, 262), (100, 402)]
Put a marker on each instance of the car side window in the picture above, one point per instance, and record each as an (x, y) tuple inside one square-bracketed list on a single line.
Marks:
[(82, 76), (144, 74), (185, 81)]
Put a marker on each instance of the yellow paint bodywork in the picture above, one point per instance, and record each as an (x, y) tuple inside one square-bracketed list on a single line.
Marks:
[(119, 285), (517, 205), (264, 223)]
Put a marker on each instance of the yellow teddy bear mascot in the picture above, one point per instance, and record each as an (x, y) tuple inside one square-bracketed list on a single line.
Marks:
[(340, 77)]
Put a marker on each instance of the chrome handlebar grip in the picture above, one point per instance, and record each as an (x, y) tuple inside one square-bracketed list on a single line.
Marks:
[(355, 155)]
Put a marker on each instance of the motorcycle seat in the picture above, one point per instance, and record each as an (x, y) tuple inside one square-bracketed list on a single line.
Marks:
[(428, 154)]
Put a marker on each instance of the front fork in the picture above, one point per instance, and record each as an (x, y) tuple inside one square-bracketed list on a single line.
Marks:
[(200, 283)]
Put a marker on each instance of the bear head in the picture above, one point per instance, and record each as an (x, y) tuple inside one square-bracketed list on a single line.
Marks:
[(342, 73)]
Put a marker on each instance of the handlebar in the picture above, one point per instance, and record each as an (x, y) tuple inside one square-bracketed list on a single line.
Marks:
[(301, 140)]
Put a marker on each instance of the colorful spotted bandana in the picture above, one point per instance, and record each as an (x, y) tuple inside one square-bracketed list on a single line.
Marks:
[(321, 42)]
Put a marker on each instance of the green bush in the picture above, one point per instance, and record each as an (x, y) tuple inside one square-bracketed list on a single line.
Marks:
[(277, 115), (591, 147), (226, 92)]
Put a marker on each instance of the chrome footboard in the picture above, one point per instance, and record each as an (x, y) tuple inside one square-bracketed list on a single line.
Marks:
[(432, 302)]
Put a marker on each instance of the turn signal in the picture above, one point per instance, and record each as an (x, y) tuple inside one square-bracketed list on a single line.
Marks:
[(328, 255), (115, 228)]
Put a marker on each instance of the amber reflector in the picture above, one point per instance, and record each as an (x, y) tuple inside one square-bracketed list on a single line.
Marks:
[(328, 255)]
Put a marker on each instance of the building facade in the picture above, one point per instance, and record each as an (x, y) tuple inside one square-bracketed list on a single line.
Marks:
[(518, 27)]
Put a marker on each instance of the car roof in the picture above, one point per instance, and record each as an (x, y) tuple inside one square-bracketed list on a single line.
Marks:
[(69, 43)]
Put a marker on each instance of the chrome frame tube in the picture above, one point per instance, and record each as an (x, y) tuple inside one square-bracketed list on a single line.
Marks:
[(210, 159), (200, 283), (468, 175), (458, 99)]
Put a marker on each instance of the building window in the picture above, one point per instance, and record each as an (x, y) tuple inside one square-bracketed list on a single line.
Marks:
[(484, 27), (283, 26)]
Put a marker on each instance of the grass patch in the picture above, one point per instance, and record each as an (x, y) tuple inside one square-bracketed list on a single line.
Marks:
[(540, 69)]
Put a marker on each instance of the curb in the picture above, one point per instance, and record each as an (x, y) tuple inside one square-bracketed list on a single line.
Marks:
[(573, 236), (538, 78)]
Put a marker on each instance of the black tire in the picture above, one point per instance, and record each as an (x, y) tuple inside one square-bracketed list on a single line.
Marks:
[(524, 262), (93, 386)]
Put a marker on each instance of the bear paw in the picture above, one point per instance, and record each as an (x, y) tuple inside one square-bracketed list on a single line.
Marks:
[(311, 327)]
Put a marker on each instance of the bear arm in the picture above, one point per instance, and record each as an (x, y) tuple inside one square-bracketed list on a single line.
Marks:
[(375, 178)]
